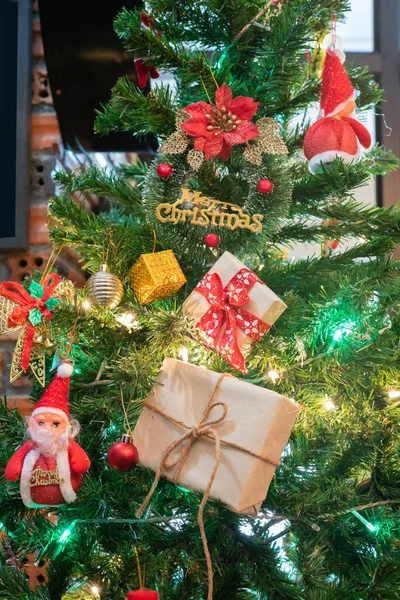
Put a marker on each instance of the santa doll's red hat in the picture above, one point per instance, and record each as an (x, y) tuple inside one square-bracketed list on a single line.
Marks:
[(55, 397), (337, 133)]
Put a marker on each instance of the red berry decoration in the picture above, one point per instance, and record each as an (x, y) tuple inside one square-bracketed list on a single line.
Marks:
[(142, 594), (211, 240), (265, 186), (164, 170), (123, 455)]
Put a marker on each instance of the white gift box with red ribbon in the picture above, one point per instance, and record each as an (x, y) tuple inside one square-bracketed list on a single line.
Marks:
[(215, 306)]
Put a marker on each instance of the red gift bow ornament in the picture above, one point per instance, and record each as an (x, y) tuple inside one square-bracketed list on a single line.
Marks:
[(226, 309), (25, 303)]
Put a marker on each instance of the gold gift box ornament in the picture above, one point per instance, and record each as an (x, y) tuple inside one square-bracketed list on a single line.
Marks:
[(156, 276)]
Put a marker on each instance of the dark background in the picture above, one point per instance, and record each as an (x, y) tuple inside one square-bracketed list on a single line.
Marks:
[(84, 58), (8, 110)]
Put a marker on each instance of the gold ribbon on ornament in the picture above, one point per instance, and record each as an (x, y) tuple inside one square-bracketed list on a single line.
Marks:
[(40, 342), (203, 429)]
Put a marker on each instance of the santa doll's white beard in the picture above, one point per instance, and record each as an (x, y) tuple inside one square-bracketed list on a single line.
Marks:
[(49, 443)]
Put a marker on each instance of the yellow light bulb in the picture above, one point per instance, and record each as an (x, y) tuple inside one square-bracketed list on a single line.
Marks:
[(86, 304)]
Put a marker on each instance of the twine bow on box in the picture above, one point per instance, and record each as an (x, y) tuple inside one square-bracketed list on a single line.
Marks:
[(25, 309), (204, 429), (227, 311)]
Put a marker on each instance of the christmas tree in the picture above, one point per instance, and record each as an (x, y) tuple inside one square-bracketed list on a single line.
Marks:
[(231, 163)]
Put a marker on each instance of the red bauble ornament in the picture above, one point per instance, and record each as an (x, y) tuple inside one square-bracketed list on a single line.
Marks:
[(123, 455), (142, 594), (164, 170), (211, 240), (265, 186)]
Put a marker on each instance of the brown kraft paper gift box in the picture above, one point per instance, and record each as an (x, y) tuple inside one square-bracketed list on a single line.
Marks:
[(257, 420)]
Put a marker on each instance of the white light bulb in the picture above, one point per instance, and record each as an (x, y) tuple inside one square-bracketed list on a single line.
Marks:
[(329, 404), (273, 375), (86, 304), (95, 590), (184, 354), (393, 394)]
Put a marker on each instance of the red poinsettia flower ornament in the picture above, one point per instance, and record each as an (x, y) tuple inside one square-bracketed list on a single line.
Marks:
[(217, 128)]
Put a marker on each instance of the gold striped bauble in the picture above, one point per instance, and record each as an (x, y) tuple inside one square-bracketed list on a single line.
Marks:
[(104, 289)]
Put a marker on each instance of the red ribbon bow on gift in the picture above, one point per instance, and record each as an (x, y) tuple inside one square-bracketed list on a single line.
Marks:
[(226, 310), (25, 303)]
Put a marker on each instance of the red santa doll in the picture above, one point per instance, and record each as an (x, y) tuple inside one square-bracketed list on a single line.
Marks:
[(337, 133), (50, 464)]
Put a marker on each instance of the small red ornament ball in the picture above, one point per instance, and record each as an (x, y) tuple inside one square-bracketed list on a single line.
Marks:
[(164, 170), (211, 240), (123, 455), (142, 595), (265, 186)]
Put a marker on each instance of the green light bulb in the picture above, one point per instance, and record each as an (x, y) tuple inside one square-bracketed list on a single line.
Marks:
[(367, 524), (66, 533)]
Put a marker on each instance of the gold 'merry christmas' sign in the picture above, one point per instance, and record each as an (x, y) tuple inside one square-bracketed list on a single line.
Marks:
[(204, 211), (41, 477)]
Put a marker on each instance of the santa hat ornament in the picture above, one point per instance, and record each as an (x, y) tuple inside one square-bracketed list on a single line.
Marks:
[(55, 398), (337, 133)]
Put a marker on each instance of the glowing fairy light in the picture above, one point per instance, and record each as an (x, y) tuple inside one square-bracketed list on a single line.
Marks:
[(393, 394), (86, 304), (341, 332), (184, 354), (273, 375), (95, 590), (65, 535), (329, 404), (367, 524), (128, 320)]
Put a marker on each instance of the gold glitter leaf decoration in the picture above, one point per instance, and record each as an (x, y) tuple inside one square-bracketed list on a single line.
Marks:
[(269, 142), (177, 142), (253, 154), (195, 159)]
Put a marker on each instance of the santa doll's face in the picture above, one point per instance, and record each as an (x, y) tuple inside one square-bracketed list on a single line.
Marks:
[(49, 422), (49, 431)]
